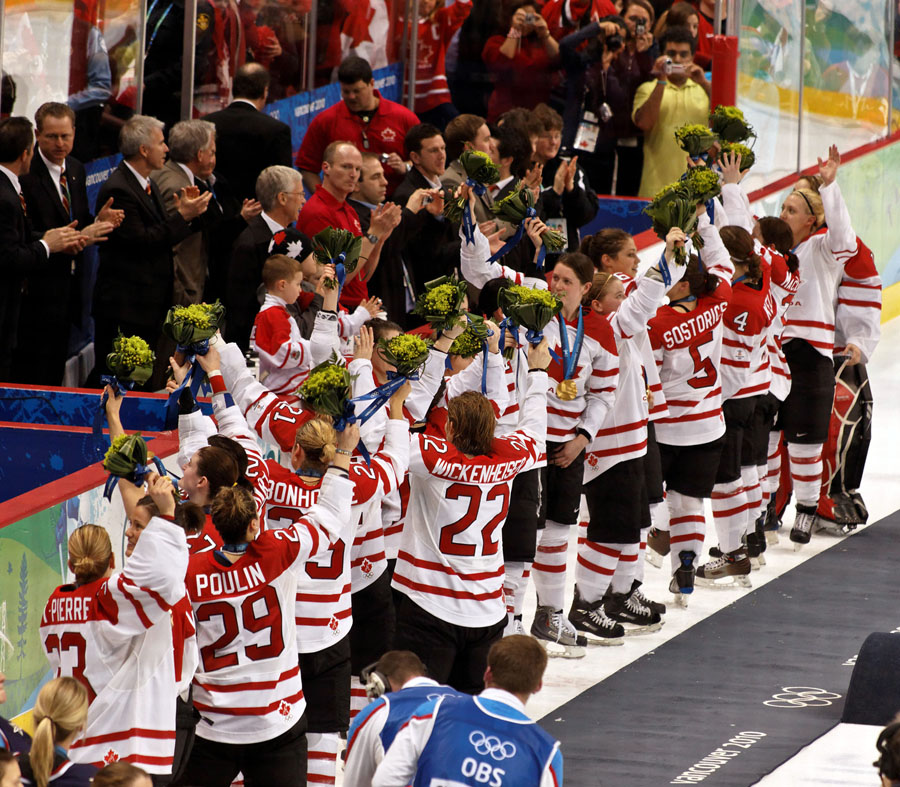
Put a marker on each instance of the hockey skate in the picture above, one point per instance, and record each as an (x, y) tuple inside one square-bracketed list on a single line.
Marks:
[(634, 617), (755, 549), (732, 569), (591, 620), (845, 515), (861, 511), (682, 584), (773, 522), (514, 626), (803, 525), (559, 639), (656, 606), (657, 546), (759, 528)]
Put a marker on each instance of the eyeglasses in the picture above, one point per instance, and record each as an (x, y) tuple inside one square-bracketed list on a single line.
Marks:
[(639, 19), (295, 193)]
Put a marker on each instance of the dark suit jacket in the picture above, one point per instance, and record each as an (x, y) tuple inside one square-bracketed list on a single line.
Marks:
[(135, 278), (51, 304), (248, 141), (21, 254), (244, 275)]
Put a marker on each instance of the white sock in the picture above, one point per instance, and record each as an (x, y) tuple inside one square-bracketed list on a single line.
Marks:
[(358, 698), (321, 762), (659, 515), (642, 548), (729, 507), (549, 567), (595, 566), (626, 569), (750, 480), (774, 464), (806, 472), (687, 526), (514, 584)]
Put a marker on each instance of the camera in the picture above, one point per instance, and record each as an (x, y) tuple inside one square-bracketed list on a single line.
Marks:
[(614, 43), (383, 157), (530, 19), (427, 200), (640, 29), (673, 68)]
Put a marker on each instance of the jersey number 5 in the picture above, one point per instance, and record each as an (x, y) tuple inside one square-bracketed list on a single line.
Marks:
[(704, 370), (459, 491), (270, 619)]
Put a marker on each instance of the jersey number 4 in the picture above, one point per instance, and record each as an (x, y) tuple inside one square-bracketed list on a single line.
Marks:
[(252, 622), (448, 545)]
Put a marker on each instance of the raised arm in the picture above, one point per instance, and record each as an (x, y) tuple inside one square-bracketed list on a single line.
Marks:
[(840, 237)]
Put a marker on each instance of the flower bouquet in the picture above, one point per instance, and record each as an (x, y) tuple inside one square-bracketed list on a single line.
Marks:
[(471, 341), (703, 182), (131, 361), (327, 389), (336, 247), (127, 457), (191, 327), (695, 139), (480, 171), (748, 157), (515, 208), (729, 124), (529, 307), (406, 352), (441, 303), (674, 206)]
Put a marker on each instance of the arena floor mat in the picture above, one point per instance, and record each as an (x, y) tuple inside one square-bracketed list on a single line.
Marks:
[(742, 691)]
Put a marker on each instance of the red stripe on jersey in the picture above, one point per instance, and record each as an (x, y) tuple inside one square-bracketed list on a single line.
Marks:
[(134, 732), (441, 568), (870, 304), (324, 598), (691, 403), (624, 449), (605, 372), (437, 591), (623, 428), (340, 615), (145, 621), (827, 326), (152, 593), (272, 706), (249, 685), (695, 417), (563, 413)]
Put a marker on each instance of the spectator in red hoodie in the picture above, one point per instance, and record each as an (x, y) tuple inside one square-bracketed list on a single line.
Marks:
[(523, 62)]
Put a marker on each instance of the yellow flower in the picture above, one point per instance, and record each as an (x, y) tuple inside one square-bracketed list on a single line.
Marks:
[(324, 380), (533, 295)]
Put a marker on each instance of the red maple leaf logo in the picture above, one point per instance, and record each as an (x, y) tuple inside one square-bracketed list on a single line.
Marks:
[(111, 756), (556, 370), (284, 709), (333, 624), (366, 567)]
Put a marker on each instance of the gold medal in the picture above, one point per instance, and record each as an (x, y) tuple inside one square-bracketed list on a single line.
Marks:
[(567, 390)]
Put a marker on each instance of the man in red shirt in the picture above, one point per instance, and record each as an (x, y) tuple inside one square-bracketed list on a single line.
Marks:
[(328, 207), (363, 117)]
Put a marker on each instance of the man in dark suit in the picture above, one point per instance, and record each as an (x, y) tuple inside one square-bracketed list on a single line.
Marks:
[(280, 191), (55, 193), (135, 278), (23, 252), (247, 139)]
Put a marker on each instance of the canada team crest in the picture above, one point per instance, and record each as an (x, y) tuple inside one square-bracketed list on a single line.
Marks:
[(388, 135), (111, 756), (285, 709)]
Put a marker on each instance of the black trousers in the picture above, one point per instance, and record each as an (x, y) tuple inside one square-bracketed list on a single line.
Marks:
[(374, 622), (280, 761), (455, 655)]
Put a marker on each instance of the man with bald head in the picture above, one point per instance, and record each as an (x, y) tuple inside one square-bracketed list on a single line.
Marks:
[(247, 139), (328, 207)]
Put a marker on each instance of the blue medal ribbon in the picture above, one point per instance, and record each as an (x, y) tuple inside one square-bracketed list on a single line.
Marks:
[(468, 221), (121, 387), (194, 379), (138, 476), (339, 270), (570, 359), (507, 247), (663, 266)]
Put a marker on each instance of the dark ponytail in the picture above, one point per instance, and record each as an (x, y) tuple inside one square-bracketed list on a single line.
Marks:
[(700, 280), (776, 233), (740, 246)]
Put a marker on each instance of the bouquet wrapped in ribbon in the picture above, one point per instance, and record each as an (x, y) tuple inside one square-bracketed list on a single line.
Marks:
[(729, 124), (472, 340), (340, 248), (131, 361), (695, 139), (529, 308), (327, 389), (704, 183), (515, 208), (674, 206), (480, 171), (748, 157), (406, 352), (127, 457), (191, 327), (441, 303)]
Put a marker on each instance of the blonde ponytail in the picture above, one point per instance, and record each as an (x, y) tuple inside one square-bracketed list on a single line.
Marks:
[(60, 710), (89, 553), (318, 439)]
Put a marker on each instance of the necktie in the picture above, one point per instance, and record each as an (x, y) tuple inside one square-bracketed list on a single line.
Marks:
[(22, 201), (148, 189), (64, 190)]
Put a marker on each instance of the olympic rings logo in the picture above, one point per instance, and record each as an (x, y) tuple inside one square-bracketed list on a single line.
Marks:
[(801, 697), (492, 745)]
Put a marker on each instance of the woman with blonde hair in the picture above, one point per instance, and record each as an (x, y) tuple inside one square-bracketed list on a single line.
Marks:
[(60, 717)]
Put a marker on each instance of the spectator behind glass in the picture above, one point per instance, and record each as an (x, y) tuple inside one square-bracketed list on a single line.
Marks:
[(522, 62), (596, 103), (633, 67), (661, 106), (566, 16), (567, 199), (705, 31), (683, 14), (438, 24)]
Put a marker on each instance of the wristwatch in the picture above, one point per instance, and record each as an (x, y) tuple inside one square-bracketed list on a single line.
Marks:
[(373, 239)]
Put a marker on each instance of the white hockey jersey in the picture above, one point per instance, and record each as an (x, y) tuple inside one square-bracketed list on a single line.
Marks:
[(115, 637)]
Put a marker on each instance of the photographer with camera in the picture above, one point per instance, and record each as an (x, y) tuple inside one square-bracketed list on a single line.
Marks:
[(522, 63), (597, 109), (678, 95)]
